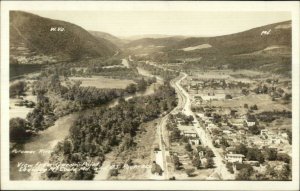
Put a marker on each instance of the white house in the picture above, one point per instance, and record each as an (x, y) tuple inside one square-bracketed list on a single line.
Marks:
[(234, 157), (190, 133), (194, 141), (264, 132), (250, 120)]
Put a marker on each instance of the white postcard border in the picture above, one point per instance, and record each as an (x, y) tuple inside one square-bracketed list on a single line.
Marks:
[(146, 6)]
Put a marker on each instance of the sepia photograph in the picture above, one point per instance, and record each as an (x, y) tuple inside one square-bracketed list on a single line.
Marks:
[(152, 94)]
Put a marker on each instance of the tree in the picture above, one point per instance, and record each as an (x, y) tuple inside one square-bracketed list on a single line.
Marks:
[(36, 118), (289, 133), (285, 172), (255, 130), (241, 149), (190, 172), (156, 168), (271, 154), (245, 173), (224, 142), (131, 88), (210, 163), (254, 107), (229, 167), (228, 96), (141, 85), (245, 92), (114, 172), (209, 153), (255, 154), (188, 147), (67, 147), (196, 162), (284, 157), (287, 97), (177, 163), (85, 175), (172, 178), (17, 130), (17, 89), (175, 134)]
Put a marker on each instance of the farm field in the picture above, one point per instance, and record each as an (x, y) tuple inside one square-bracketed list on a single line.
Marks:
[(20, 111), (103, 82), (263, 102), (17, 111)]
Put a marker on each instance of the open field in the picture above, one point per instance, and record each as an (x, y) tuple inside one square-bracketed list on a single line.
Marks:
[(246, 76), (17, 111), (20, 111), (281, 123), (102, 82), (263, 102)]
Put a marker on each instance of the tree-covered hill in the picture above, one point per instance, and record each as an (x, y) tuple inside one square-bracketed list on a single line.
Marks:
[(32, 32)]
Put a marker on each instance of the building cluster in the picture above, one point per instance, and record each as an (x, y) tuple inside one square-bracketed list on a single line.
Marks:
[(229, 127)]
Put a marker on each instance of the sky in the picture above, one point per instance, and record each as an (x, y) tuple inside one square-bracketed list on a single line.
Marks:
[(187, 23)]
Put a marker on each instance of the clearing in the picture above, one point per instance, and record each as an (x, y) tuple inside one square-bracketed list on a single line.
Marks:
[(103, 82)]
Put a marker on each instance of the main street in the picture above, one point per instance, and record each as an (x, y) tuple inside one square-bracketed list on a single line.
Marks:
[(184, 105), (205, 139)]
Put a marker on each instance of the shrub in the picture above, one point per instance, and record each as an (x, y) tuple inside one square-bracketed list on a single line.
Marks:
[(230, 167), (114, 172), (190, 172)]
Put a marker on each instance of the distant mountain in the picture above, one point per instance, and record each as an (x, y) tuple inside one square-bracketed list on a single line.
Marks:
[(244, 42), (33, 33), (137, 37), (146, 46), (266, 48), (115, 40), (162, 42)]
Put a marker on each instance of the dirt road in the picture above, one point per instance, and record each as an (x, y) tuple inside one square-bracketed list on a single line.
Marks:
[(206, 140)]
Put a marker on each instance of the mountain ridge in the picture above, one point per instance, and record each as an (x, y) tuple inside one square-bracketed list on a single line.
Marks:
[(69, 42)]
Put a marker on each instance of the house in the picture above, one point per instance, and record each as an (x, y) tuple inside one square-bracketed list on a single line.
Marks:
[(210, 127), (234, 157), (217, 141), (274, 140), (250, 120), (233, 112), (230, 149), (194, 141), (242, 132), (226, 131), (284, 135), (264, 134), (189, 133), (201, 154), (252, 162)]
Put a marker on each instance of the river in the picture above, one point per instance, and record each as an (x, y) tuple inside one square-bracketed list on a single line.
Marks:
[(39, 148), (42, 145)]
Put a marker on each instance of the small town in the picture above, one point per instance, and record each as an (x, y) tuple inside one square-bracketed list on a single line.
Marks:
[(247, 122)]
